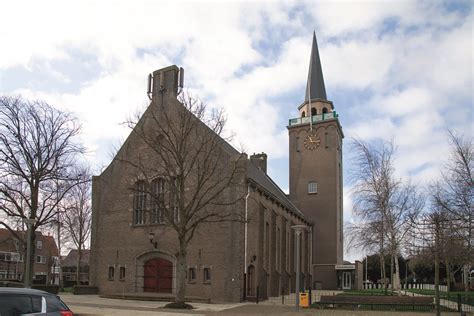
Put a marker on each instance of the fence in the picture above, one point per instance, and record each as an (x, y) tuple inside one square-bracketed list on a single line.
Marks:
[(455, 302), (418, 286)]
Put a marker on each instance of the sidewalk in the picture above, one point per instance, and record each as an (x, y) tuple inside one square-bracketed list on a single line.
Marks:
[(96, 305), (90, 305)]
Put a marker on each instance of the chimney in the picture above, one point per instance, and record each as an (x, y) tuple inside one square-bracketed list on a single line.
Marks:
[(260, 160), (167, 80)]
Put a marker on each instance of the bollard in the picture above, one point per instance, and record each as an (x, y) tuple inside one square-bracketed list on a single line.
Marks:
[(258, 292), (310, 296), (282, 296)]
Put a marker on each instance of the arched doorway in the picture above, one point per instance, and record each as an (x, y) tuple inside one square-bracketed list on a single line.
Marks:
[(158, 276), (251, 281)]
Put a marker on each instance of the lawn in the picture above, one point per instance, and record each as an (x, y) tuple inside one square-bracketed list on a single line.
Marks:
[(466, 297)]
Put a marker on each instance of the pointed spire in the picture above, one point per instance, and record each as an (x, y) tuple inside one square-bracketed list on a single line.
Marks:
[(315, 85)]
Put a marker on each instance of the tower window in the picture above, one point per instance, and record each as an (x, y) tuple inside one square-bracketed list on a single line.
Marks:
[(297, 144), (303, 114), (312, 187), (313, 111), (325, 110)]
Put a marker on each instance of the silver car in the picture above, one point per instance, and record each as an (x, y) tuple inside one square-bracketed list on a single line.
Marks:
[(18, 301)]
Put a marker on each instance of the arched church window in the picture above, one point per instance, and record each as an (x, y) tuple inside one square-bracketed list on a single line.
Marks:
[(325, 110), (140, 196), (313, 111), (303, 114)]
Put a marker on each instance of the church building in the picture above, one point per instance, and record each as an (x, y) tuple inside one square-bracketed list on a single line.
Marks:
[(134, 243)]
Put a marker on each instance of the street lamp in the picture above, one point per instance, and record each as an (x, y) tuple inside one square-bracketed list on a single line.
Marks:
[(29, 223), (298, 230)]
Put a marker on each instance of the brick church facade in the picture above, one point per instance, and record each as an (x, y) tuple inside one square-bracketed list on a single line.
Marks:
[(134, 251)]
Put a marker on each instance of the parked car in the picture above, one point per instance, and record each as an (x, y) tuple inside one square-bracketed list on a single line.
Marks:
[(19, 301)]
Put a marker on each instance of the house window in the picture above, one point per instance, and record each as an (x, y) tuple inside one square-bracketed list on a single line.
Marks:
[(122, 273), (140, 203), (111, 273), (39, 244), (192, 275), (40, 259), (158, 201), (312, 187), (207, 275)]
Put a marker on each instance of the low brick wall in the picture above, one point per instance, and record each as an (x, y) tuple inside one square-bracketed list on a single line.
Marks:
[(54, 289), (84, 289)]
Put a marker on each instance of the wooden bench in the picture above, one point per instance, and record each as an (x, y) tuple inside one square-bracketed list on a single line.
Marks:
[(376, 302)]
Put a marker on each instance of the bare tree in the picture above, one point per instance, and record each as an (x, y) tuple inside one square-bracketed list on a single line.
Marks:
[(383, 205), (37, 151), (455, 195), (77, 217), (192, 175)]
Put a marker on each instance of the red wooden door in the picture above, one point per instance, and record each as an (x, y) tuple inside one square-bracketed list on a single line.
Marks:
[(158, 276)]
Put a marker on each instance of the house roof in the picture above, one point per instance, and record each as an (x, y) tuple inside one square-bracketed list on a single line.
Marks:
[(7, 241), (71, 259), (266, 183)]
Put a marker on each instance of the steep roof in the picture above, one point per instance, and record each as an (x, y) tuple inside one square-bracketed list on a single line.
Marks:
[(7, 241), (262, 179), (71, 259), (315, 85)]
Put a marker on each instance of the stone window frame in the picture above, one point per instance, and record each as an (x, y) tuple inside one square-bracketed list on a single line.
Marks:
[(111, 273), (122, 272), (206, 274), (312, 187), (158, 203), (192, 274), (140, 202)]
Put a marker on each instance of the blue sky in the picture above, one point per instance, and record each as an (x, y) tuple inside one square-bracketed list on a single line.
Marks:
[(394, 69)]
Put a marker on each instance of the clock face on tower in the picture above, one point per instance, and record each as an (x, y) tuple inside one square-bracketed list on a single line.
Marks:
[(312, 141)]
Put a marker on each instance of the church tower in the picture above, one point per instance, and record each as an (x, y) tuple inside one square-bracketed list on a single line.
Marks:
[(315, 150)]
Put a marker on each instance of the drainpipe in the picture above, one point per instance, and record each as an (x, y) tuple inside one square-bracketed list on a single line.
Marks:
[(246, 238)]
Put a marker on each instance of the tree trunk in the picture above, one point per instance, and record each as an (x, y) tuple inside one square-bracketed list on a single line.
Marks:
[(31, 260), (382, 269), (181, 272), (448, 272), (391, 272), (397, 274), (437, 230), (78, 267)]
